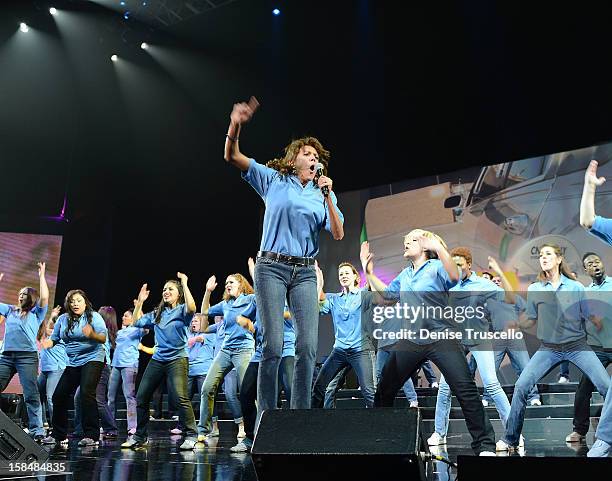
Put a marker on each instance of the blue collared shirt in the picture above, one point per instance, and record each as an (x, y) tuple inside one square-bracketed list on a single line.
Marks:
[(20, 332), (201, 354), (295, 214), (235, 336), (602, 228), (170, 333), (560, 312), (428, 287), (53, 359), (474, 292), (79, 348), (345, 309), (599, 297), (126, 346), (502, 314)]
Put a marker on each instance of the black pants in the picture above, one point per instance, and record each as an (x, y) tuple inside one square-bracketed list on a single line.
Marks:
[(582, 401), (448, 355), (248, 396), (86, 377)]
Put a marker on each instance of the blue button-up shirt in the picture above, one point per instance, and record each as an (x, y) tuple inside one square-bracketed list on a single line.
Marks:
[(126, 346), (235, 336), (502, 314), (560, 312), (599, 298), (201, 354), (20, 332), (295, 214), (345, 309), (79, 348), (53, 359), (602, 228)]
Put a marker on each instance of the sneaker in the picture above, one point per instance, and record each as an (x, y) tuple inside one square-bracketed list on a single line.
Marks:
[(176, 431), (600, 449), (501, 445), (49, 440), (202, 438), (434, 385), (187, 445), (485, 403), (45, 425), (575, 437), (414, 404), (175, 418), (109, 435), (214, 433), (535, 402), (563, 379), (131, 443), (38, 438), (87, 442), (241, 447), (241, 432), (521, 441), (435, 440), (487, 453)]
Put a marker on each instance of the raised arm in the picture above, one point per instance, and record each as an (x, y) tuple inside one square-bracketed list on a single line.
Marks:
[(190, 305), (587, 203), (142, 296), (433, 244), (509, 290), (367, 264), (241, 113), (211, 285), (44, 288)]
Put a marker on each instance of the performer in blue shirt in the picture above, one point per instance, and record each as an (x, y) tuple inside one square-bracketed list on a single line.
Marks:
[(298, 207), (558, 304), (19, 353), (170, 360), (84, 334)]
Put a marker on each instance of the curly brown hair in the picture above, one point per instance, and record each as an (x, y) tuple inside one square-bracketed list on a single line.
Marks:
[(285, 165), (245, 286), (462, 252)]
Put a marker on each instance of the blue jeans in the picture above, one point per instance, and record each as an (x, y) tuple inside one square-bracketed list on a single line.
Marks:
[(381, 359), (224, 362), (333, 387), (362, 363), (230, 389), (285, 376), (107, 420), (541, 363), (604, 429), (564, 369), (430, 375), (47, 382), (275, 282), (25, 364), (519, 357), (485, 361), (126, 376)]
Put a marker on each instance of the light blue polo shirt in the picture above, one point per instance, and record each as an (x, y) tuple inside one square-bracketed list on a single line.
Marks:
[(80, 349), (602, 228), (294, 215), (502, 314), (345, 309), (171, 332), (475, 292), (560, 313), (599, 298), (201, 354), (20, 333), (53, 359), (235, 337), (428, 287), (126, 346)]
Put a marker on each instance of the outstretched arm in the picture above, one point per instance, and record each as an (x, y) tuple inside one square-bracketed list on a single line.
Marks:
[(44, 288), (241, 113), (367, 264), (509, 291), (190, 305), (587, 203), (211, 284)]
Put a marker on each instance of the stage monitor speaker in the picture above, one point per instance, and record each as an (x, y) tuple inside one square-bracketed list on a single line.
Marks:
[(326, 444), (513, 468), (17, 446)]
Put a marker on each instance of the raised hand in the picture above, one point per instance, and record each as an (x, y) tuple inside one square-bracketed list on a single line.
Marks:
[(41, 269), (211, 284), (182, 277), (87, 330), (143, 294), (429, 243), (251, 264), (366, 258), (590, 176), (494, 266), (243, 111), (55, 312)]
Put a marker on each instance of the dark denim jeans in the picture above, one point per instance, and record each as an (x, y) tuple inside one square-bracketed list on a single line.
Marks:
[(285, 377), (25, 364), (582, 401), (47, 382), (382, 356), (175, 373), (275, 282), (86, 377), (362, 363)]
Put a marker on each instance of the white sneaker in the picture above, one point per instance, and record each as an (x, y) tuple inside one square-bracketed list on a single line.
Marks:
[(535, 402), (575, 437), (434, 385), (501, 445), (176, 431), (487, 453), (435, 440), (563, 380), (175, 418), (187, 445), (521, 441), (414, 404), (213, 434), (485, 403), (241, 447)]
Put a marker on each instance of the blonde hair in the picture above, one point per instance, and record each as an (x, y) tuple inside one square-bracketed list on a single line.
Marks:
[(426, 233)]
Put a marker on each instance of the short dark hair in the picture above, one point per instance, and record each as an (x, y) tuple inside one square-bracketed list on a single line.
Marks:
[(589, 254)]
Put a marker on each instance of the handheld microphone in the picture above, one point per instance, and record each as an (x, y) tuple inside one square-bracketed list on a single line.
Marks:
[(324, 189)]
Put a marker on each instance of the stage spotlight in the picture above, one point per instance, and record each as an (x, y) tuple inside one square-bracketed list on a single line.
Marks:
[(122, 3), (114, 58), (144, 45), (23, 27), (53, 11), (276, 11), (126, 15)]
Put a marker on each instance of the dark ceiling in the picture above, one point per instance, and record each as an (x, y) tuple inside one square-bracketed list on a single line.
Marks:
[(395, 90)]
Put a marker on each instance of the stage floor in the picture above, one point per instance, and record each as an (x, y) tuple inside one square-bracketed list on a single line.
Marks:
[(162, 461)]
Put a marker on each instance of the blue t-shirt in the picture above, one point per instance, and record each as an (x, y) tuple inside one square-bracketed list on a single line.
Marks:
[(599, 298), (20, 333), (235, 336), (258, 341), (474, 292), (294, 215), (170, 333), (560, 312), (602, 228), (201, 354), (345, 309), (80, 349), (126, 346), (288, 338), (502, 314), (53, 359), (425, 288)]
